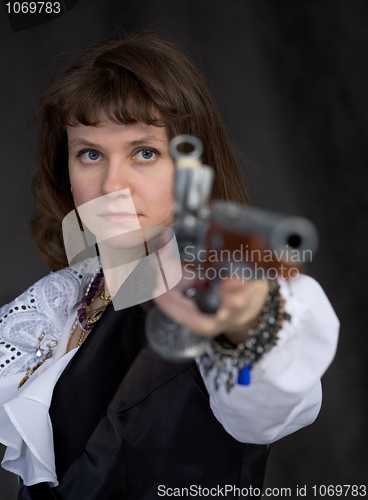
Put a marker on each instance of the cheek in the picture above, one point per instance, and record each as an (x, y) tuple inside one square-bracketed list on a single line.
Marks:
[(159, 197), (82, 191)]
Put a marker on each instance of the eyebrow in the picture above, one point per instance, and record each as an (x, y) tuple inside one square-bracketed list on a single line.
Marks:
[(137, 142)]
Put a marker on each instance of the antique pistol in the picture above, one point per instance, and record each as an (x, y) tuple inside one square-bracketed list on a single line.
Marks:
[(221, 239)]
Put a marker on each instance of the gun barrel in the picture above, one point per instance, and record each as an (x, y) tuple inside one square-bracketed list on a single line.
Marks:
[(291, 239)]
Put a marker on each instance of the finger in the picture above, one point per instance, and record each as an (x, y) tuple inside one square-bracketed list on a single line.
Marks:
[(236, 283), (185, 311)]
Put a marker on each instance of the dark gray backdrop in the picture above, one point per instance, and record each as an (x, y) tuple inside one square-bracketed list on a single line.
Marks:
[(291, 82)]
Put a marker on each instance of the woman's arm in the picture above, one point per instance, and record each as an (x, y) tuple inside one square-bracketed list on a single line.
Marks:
[(285, 391)]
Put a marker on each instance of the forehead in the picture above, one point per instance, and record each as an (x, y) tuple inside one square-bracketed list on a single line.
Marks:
[(107, 131)]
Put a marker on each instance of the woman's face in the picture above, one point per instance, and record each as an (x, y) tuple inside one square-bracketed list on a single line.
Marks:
[(121, 176)]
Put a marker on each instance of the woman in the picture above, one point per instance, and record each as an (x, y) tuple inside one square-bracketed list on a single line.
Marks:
[(102, 416)]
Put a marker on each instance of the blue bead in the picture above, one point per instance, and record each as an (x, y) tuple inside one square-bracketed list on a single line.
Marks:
[(244, 376)]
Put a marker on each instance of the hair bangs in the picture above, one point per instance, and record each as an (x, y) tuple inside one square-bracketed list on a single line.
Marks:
[(116, 94)]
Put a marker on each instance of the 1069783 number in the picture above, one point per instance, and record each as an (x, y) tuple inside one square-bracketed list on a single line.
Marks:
[(340, 490), (33, 7)]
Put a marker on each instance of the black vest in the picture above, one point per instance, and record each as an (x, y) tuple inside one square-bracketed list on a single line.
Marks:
[(128, 425)]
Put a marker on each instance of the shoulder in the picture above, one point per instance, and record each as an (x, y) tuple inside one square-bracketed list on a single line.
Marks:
[(44, 307), (53, 296)]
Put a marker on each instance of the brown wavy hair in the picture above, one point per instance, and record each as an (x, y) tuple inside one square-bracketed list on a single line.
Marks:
[(131, 78)]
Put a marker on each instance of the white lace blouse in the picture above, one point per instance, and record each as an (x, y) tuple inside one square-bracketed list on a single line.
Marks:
[(285, 393)]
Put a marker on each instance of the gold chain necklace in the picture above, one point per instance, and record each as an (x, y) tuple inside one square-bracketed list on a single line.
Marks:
[(92, 317)]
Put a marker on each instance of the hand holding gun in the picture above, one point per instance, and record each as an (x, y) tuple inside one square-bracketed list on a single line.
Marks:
[(252, 243)]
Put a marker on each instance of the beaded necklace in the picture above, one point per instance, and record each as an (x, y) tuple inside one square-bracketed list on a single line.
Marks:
[(86, 320)]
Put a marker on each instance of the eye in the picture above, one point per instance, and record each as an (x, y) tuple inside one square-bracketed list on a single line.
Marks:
[(90, 156), (146, 154)]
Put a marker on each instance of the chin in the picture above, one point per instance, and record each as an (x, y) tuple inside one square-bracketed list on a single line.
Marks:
[(128, 239)]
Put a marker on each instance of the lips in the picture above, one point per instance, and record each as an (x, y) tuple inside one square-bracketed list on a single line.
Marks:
[(119, 217)]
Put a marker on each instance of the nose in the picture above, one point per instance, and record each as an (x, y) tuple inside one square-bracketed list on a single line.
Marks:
[(116, 177)]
